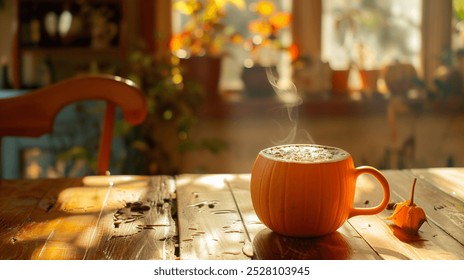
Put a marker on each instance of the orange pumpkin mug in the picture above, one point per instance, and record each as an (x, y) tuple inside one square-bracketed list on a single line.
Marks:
[(306, 190)]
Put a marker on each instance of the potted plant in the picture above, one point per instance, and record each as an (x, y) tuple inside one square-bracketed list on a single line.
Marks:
[(356, 31), (203, 40), (265, 46)]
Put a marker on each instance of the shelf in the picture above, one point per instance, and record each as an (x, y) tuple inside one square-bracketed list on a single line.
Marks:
[(326, 105), (97, 34), (64, 51)]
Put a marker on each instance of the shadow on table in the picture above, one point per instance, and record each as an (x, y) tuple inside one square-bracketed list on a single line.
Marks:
[(268, 245)]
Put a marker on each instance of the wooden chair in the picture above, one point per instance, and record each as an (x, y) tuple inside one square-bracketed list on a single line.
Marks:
[(33, 114)]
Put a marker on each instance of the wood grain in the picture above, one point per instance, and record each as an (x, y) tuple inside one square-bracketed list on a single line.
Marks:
[(142, 224), (269, 245), (448, 180), (25, 219), (67, 220), (211, 216), (210, 226), (442, 209), (391, 243)]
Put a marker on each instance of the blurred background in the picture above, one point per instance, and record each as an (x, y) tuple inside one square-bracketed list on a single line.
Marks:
[(225, 79)]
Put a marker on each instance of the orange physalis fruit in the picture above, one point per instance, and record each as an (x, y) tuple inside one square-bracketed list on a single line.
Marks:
[(407, 215)]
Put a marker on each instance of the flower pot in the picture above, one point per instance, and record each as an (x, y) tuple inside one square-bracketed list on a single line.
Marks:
[(204, 71), (340, 82), (369, 81), (256, 83)]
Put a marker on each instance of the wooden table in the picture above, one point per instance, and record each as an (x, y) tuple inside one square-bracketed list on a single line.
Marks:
[(210, 216)]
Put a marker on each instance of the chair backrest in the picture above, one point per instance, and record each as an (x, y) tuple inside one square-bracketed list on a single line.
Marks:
[(33, 114)]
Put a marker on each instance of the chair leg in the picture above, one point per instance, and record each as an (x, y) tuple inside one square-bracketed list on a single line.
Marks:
[(106, 136), (1, 159)]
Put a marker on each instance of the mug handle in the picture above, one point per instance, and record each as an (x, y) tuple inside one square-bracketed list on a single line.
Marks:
[(386, 192)]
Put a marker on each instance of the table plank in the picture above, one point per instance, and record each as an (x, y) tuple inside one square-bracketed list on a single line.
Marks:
[(240, 185), (142, 227), (24, 205), (443, 210), (63, 219), (346, 243), (448, 180), (68, 223), (392, 243), (210, 225)]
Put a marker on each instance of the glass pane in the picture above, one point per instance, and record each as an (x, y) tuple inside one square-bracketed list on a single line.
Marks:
[(458, 26), (236, 19), (371, 34)]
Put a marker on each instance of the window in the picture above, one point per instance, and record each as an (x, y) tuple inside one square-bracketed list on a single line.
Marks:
[(241, 51), (458, 26), (358, 32)]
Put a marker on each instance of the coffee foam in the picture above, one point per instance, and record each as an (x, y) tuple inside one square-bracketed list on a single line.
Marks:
[(306, 153)]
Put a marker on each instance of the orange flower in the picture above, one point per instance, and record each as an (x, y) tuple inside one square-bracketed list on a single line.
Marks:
[(265, 8), (266, 28), (294, 52), (205, 26), (175, 43), (187, 7), (280, 20), (260, 27), (236, 38)]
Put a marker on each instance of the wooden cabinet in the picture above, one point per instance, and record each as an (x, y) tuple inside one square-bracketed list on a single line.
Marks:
[(56, 39)]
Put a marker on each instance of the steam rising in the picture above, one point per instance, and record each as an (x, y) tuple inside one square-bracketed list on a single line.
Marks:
[(287, 93)]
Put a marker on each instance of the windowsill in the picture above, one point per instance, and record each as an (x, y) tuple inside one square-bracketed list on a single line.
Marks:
[(235, 105)]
